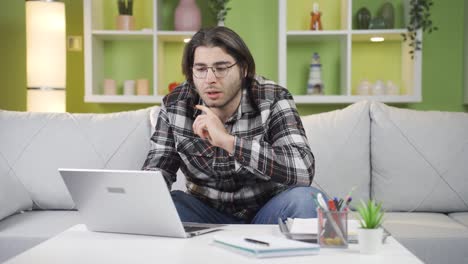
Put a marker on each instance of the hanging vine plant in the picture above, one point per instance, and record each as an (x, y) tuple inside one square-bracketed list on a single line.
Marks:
[(419, 19)]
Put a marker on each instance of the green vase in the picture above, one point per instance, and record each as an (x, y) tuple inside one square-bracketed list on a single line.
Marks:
[(363, 18), (387, 12)]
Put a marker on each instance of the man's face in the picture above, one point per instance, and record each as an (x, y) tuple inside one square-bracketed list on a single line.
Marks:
[(218, 92)]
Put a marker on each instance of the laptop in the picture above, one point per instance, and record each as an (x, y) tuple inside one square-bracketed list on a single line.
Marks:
[(127, 201)]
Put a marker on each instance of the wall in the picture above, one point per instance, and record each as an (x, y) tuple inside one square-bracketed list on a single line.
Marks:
[(13, 56), (442, 55)]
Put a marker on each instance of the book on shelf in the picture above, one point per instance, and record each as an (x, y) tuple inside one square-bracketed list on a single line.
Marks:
[(265, 246)]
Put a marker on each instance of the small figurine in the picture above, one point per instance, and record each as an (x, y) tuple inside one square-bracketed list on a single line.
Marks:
[(315, 22), (315, 84)]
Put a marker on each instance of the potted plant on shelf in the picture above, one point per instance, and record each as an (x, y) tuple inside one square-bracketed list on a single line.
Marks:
[(419, 18), (125, 19), (371, 233), (220, 10)]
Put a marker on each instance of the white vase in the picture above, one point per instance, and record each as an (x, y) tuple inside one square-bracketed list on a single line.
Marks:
[(370, 240)]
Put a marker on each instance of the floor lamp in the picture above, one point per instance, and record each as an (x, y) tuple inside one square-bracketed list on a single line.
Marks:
[(46, 55)]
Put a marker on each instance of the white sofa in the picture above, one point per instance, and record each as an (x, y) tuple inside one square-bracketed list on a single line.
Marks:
[(414, 162)]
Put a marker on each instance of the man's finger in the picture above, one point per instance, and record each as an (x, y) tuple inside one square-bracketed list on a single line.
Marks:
[(205, 109)]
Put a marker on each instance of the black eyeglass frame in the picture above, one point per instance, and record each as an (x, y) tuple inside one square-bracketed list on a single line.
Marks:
[(214, 71)]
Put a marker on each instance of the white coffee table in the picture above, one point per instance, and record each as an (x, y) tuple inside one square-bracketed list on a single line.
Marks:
[(78, 245)]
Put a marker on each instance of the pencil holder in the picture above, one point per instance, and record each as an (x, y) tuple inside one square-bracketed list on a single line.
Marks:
[(332, 228)]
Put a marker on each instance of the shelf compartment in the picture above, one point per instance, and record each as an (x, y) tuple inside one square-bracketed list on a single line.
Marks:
[(104, 13), (121, 60), (169, 55), (385, 61), (374, 6), (332, 57), (334, 15)]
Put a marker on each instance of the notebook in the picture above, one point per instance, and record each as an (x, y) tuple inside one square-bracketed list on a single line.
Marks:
[(126, 201), (265, 246)]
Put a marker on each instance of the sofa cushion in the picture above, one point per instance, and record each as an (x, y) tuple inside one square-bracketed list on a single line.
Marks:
[(418, 159), (433, 237), (37, 144), (340, 142), (20, 232), (461, 218), (13, 196)]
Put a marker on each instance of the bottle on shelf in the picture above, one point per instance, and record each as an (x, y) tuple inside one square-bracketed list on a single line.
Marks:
[(315, 84)]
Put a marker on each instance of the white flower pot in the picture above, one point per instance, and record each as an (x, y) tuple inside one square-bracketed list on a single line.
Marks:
[(370, 240)]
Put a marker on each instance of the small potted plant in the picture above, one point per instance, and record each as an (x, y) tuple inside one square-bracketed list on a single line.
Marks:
[(371, 233), (220, 10), (125, 19)]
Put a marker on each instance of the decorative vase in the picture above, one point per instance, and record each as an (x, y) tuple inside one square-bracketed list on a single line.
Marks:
[(387, 12), (125, 22), (187, 16), (370, 240), (363, 18), (220, 23)]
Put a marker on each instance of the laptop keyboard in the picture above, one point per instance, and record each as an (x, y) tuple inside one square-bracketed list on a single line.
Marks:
[(194, 228)]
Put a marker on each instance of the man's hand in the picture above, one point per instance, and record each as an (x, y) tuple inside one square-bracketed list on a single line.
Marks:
[(210, 127)]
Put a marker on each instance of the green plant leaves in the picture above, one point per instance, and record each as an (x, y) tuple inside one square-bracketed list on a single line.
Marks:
[(371, 214)]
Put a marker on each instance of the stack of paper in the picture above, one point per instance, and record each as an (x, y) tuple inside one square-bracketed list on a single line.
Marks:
[(266, 246)]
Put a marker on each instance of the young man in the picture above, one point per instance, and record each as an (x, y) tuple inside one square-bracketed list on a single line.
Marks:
[(237, 138)]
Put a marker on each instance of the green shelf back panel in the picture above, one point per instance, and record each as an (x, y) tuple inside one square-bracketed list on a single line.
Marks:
[(299, 58), (298, 14), (170, 69), (128, 60), (142, 11), (376, 61), (374, 7)]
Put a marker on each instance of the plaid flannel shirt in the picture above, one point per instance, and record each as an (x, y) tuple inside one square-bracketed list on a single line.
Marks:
[(271, 150)]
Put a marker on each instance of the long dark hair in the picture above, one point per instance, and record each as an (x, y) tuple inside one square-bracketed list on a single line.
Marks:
[(231, 43)]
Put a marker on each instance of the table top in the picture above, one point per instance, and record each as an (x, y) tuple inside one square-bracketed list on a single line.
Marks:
[(78, 245)]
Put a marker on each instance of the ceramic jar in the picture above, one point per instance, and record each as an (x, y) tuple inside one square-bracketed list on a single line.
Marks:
[(187, 16)]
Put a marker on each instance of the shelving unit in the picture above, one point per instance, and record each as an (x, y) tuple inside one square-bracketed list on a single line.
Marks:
[(153, 51), (347, 55), (143, 53)]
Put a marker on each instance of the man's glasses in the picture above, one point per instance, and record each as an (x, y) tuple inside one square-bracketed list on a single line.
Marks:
[(220, 71)]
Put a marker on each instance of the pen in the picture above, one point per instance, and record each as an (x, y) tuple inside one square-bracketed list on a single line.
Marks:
[(251, 240)]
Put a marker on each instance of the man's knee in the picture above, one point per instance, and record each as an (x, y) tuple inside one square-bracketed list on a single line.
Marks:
[(301, 200)]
